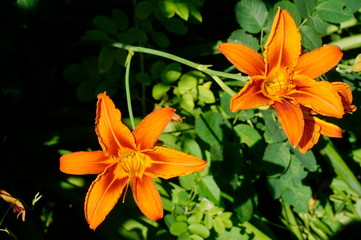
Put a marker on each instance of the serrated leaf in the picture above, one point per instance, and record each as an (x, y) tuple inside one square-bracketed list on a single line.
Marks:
[(105, 60), (209, 189), (105, 24), (240, 36), (310, 39), (333, 11), (247, 134), (251, 15), (211, 127), (305, 7), (276, 158), (159, 90)]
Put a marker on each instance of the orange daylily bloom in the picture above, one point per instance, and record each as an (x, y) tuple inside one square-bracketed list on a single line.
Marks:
[(284, 78), (127, 158)]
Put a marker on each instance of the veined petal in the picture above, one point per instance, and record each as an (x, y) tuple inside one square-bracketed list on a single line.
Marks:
[(167, 163), (244, 58), (103, 194), (314, 127), (345, 93), (318, 61), (93, 162), (291, 119), (283, 46), (151, 127), (251, 96), (147, 197), (320, 96), (113, 135)]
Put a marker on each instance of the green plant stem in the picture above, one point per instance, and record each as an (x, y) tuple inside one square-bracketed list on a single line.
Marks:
[(200, 67), (127, 87), (291, 221), (258, 234), (348, 43), (340, 167)]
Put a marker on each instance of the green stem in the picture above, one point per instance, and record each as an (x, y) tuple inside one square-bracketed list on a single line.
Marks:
[(127, 88), (200, 67), (340, 167), (291, 221), (348, 43), (258, 234)]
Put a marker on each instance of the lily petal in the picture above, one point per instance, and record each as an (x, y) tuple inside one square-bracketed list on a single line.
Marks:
[(345, 93), (151, 127), (244, 58), (147, 197), (328, 129), (291, 119), (318, 61), (113, 135), (251, 96), (320, 96), (167, 163), (93, 162), (103, 194), (283, 46)]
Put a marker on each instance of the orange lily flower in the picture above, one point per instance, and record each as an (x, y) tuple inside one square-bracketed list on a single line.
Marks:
[(127, 158), (284, 78)]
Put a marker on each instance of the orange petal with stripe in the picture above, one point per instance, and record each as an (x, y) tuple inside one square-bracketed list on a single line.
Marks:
[(283, 46), (113, 135), (167, 163), (93, 162), (147, 197), (244, 58), (251, 96), (318, 61), (151, 127), (320, 96), (103, 194), (291, 119)]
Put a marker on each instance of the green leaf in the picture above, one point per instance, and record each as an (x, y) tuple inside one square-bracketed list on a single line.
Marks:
[(143, 78), (74, 73), (211, 127), (318, 24), (167, 8), (161, 39), (307, 159), (333, 11), (27, 4), (247, 134), (105, 60), (240, 36), (195, 218), (86, 91), (105, 24), (182, 9), (209, 189), (292, 9), (143, 10), (194, 12), (203, 94), (108, 86), (276, 158), (178, 228), (175, 26), (218, 226), (199, 229), (171, 72), (225, 101), (187, 101), (189, 80), (274, 132), (157, 68), (137, 34), (187, 181), (96, 35), (234, 233), (159, 90), (305, 7), (120, 19), (251, 15), (310, 39)]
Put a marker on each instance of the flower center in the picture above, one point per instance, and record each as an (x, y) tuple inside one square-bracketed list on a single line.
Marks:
[(278, 84), (133, 163)]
